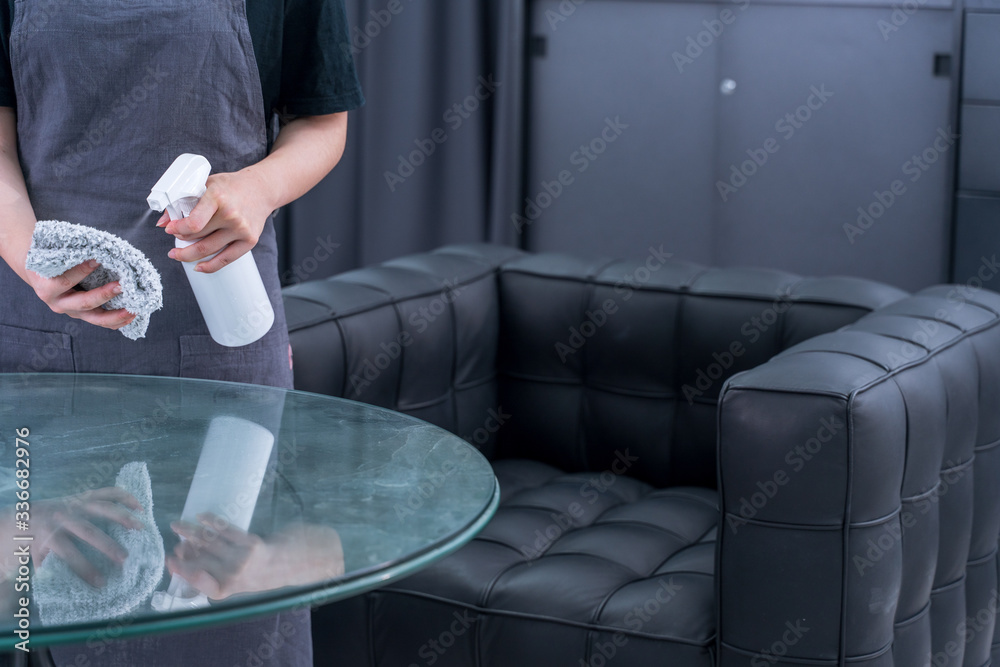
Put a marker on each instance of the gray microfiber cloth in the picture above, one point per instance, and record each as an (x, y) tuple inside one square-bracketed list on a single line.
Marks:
[(58, 246), (65, 598)]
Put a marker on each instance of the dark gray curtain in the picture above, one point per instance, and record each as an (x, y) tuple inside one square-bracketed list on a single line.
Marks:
[(418, 171)]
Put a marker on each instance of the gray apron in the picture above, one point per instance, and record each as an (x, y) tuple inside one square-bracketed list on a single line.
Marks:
[(108, 94)]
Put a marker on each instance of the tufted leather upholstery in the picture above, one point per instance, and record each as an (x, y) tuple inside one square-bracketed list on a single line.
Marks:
[(647, 380), (417, 334), (874, 453), (604, 441)]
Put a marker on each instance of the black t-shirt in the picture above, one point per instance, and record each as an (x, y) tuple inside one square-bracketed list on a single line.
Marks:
[(298, 45)]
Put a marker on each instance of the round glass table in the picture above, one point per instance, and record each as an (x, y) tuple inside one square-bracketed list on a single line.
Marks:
[(263, 500)]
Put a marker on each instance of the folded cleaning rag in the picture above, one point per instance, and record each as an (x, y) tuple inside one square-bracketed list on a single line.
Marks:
[(58, 246), (65, 598)]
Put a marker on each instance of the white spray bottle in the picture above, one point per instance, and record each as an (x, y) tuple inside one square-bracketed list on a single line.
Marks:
[(233, 300)]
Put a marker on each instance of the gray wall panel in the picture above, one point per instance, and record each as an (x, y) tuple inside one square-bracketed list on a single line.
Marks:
[(980, 79), (650, 187), (886, 106), (980, 164), (977, 240), (658, 184)]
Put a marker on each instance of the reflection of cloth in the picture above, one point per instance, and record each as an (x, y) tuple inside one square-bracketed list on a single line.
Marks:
[(58, 246), (64, 598)]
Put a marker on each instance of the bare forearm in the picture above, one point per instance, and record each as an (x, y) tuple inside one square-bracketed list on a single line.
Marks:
[(306, 150), (17, 218), (230, 217)]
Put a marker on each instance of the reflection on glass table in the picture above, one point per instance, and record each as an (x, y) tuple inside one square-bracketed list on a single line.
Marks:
[(158, 504)]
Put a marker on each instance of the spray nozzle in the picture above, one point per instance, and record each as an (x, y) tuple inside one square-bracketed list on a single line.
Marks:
[(180, 187)]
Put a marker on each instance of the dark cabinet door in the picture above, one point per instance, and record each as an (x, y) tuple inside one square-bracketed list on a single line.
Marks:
[(624, 188), (755, 133), (857, 178), (977, 241)]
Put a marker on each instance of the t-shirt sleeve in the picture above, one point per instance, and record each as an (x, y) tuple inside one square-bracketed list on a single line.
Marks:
[(7, 97), (317, 64)]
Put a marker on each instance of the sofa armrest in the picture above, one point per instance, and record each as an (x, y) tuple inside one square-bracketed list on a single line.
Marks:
[(859, 490), (417, 334)]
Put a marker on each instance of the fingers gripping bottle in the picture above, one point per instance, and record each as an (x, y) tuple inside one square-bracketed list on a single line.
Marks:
[(232, 300)]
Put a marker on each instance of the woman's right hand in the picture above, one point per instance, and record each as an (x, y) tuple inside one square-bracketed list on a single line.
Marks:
[(63, 296)]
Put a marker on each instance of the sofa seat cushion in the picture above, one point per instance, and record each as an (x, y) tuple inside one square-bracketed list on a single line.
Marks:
[(591, 568)]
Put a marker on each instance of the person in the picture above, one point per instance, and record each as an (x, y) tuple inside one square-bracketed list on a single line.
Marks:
[(97, 98)]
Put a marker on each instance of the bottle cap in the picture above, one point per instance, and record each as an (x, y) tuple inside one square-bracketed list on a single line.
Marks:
[(185, 179)]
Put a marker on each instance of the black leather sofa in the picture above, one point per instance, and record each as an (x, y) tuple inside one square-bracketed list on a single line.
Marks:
[(698, 466)]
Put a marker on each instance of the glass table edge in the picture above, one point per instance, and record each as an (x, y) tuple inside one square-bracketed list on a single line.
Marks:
[(306, 599), (369, 406), (312, 597)]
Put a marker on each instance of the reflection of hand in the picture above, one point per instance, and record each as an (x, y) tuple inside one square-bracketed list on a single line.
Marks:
[(220, 560), (60, 522)]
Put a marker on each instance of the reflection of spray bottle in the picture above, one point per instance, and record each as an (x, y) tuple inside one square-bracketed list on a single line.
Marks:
[(230, 471), (233, 300)]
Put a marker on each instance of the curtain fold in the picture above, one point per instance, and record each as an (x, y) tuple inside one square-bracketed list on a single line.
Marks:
[(435, 155)]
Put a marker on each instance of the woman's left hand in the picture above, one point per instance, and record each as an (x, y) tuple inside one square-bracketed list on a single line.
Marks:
[(230, 217)]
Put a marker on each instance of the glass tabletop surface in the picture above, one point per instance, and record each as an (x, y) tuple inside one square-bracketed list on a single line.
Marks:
[(262, 500)]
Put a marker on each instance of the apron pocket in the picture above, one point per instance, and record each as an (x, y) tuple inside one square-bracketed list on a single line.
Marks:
[(263, 361), (30, 351)]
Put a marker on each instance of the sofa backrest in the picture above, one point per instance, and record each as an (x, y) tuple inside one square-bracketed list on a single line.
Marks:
[(609, 361), (573, 362), (863, 466)]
